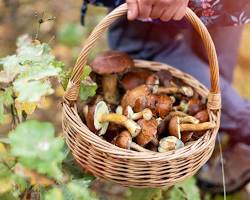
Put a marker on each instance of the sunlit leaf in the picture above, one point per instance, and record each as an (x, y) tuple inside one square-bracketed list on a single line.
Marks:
[(86, 72), (53, 194), (28, 107), (36, 147), (11, 68), (32, 91), (87, 89)]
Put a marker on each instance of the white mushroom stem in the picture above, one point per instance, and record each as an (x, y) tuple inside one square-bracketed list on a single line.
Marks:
[(145, 114), (197, 127), (187, 91), (134, 146), (85, 111), (132, 126), (119, 110)]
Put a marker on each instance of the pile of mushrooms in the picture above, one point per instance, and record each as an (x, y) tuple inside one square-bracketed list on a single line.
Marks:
[(143, 110)]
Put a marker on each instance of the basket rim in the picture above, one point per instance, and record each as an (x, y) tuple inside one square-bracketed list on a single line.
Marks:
[(106, 147)]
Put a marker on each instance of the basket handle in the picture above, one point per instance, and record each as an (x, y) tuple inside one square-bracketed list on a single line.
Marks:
[(214, 99)]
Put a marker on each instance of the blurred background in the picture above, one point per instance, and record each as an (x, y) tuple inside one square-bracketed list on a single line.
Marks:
[(58, 23)]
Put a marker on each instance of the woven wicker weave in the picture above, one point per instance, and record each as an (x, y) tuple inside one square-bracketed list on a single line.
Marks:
[(140, 169)]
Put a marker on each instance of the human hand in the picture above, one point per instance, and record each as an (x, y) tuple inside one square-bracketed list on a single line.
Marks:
[(157, 9)]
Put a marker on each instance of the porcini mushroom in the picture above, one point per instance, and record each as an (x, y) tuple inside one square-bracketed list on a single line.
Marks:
[(170, 143), (184, 90), (148, 132), (109, 64), (191, 107), (124, 140), (153, 82), (202, 116), (131, 95), (178, 125), (134, 78), (145, 114), (102, 117), (159, 104), (174, 124)]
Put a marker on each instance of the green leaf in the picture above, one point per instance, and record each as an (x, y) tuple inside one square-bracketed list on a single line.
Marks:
[(11, 68), (64, 78), (86, 72), (87, 89), (186, 190), (144, 194), (35, 146), (6, 96), (2, 117), (53, 194), (37, 73), (32, 91), (70, 34)]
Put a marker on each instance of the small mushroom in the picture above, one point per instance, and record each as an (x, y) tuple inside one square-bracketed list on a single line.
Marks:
[(148, 132), (109, 64), (145, 114), (165, 77), (131, 95), (135, 78), (174, 126), (191, 107), (159, 104), (153, 82), (202, 116), (119, 110), (170, 143), (184, 90), (186, 136), (124, 140), (102, 117)]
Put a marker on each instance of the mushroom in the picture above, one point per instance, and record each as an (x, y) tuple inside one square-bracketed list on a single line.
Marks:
[(109, 64), (165, 78), (159, 104), (184, 90), (135, 78), (153, 82), (175, 122), (178, 125), (202, 116), (102, 117), (170, 143), (145, 114), (148, 132), (131, 95), (124, 140), (119, 110), (191, 107)]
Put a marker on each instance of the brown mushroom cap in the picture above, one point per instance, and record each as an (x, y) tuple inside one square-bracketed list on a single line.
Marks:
[(111, 62), (202, 116), (164, 105), (122, 140), (174, 127), (148, 131)]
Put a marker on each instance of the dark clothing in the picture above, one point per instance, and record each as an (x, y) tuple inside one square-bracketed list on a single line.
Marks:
[(211, 12), (154, 42)]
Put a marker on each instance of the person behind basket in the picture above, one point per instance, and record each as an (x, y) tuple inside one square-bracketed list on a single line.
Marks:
[(169, 43)]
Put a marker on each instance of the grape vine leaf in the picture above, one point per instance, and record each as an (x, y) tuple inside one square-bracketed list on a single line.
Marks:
[(36, 147), (54, 193), (186, 190), (5, 100), (87, 89), (11, 68), (32, 91)]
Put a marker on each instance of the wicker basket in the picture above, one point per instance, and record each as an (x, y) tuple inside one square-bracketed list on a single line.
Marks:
[(140, 169)]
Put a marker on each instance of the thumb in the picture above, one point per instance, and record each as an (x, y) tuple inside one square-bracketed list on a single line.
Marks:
[(132, 9)]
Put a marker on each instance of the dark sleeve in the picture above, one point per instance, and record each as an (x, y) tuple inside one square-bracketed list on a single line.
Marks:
[(211, 12)]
